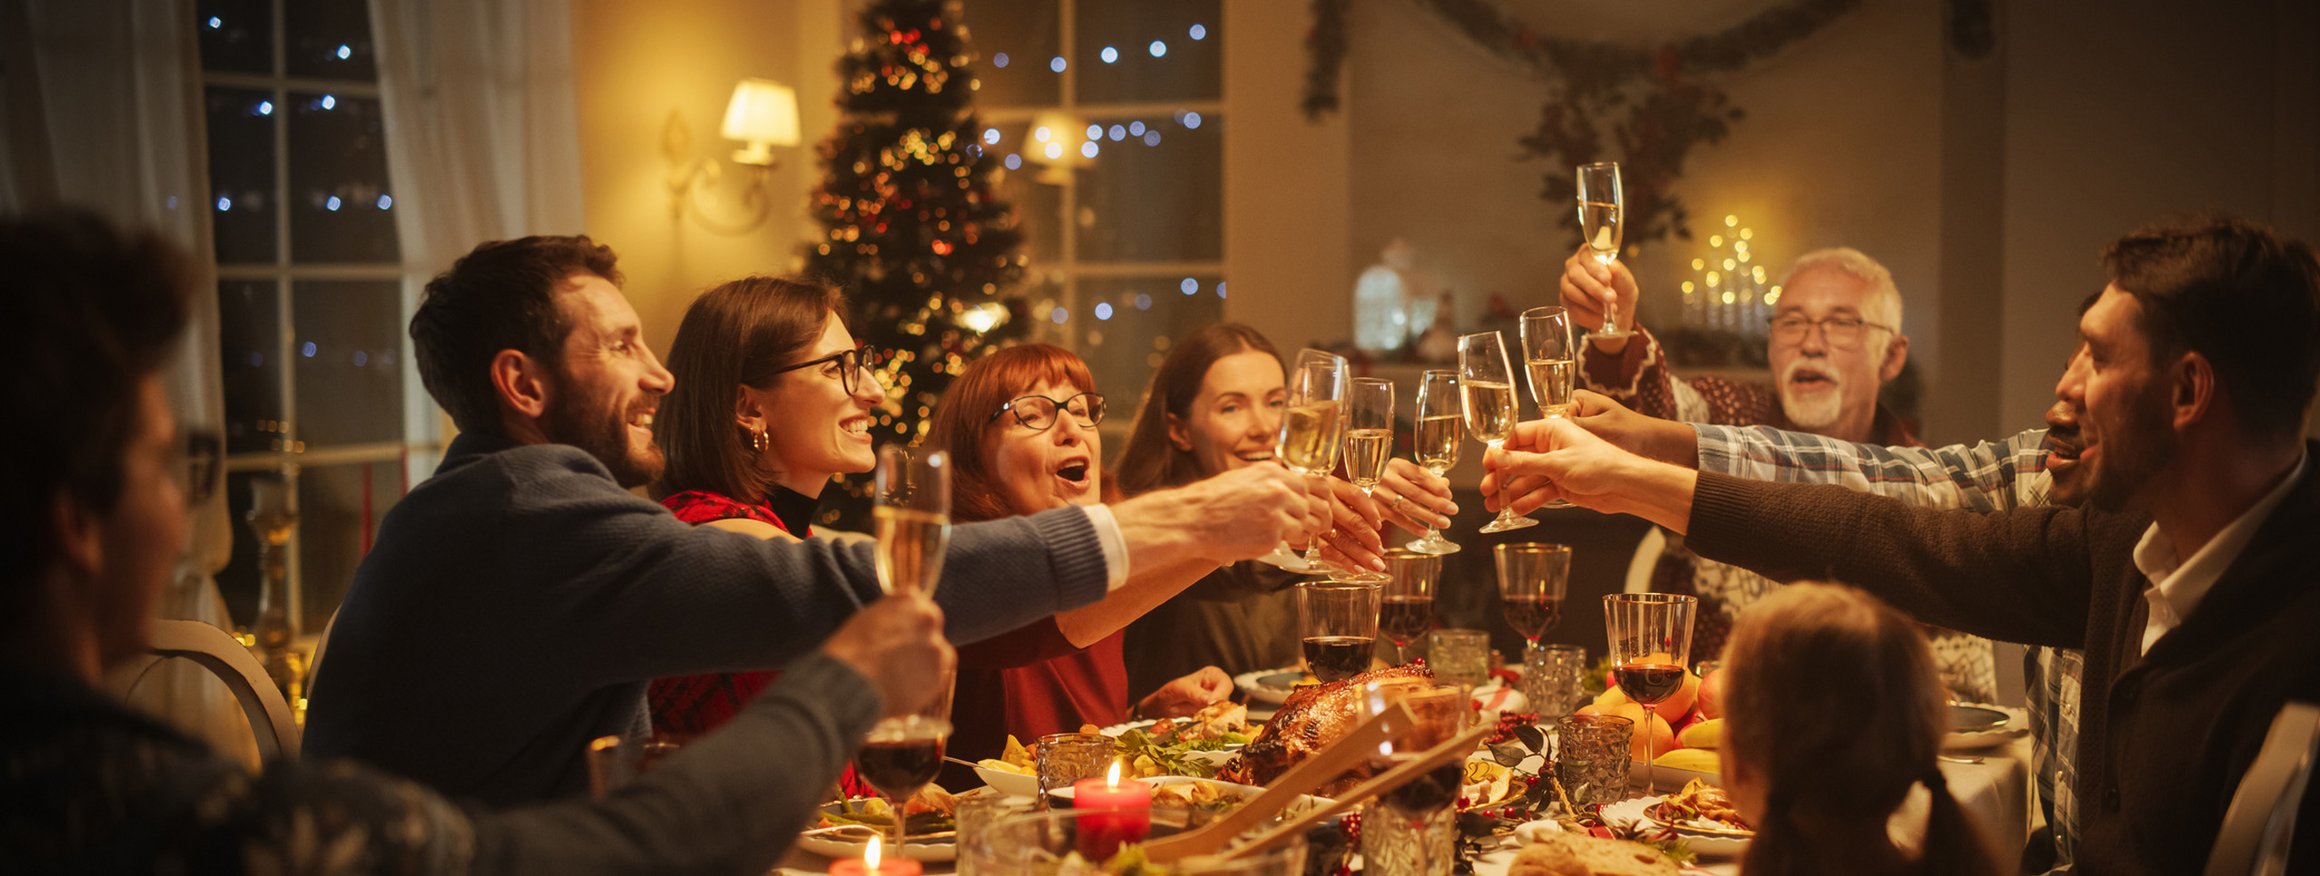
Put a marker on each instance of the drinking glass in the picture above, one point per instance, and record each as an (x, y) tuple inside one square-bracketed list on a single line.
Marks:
[(1459, 657), (1531, 578), (1441, 712), (1486, 388), (1651, 643), (1440, 431), (1063, 758), (1406, 610), (1555, 679), (976, 813), (1337, 621), (912, 519), (1592, 755), (1600, 209), (1312, 433), (1549, 362), (1369, 442), (904, 753)]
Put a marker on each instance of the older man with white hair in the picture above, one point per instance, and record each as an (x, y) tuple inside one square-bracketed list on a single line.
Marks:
[(1835, 340)]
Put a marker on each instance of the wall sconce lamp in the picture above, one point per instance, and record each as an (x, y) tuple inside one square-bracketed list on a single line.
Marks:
[(1059, 145), (763, 114)]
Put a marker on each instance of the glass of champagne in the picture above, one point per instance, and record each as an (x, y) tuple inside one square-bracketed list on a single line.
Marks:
[(1406, 609), (1312, 434), (912, 519), (1439, 433), (1600, 206), (1531, 578), (1651, 642), (1337, 623), (1441, 712), (1549, 362), (1369, 442), (1486, 388)]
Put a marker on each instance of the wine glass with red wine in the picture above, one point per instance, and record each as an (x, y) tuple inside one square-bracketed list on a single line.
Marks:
[(1338, 623), (1531, 579), (1441, 712), (1651, 643), (1406, 608), (904, 753)]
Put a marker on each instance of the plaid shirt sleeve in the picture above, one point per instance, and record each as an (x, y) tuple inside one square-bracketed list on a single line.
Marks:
[(1982, 476)]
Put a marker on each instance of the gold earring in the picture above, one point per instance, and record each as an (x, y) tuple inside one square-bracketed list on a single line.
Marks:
[(757, 439)]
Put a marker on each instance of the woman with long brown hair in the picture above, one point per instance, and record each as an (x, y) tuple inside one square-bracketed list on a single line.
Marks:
[(1834, 715), (1214, 406)]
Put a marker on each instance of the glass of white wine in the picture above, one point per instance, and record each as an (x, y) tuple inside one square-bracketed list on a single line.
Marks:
[(1312, 433), (912, 519), (1486, 388), (1439, 433), (1600, 209), (1549, 363), (1369, 443)]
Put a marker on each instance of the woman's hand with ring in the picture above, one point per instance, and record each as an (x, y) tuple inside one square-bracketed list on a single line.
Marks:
[(1421, 499)]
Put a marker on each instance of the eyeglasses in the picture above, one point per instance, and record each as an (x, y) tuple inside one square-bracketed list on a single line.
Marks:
[(203, 452), (1841, 331), (851, 364), (1039, 411)]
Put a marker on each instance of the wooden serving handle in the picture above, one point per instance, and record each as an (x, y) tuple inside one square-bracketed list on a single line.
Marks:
[(1457, 749), (1349, 751)]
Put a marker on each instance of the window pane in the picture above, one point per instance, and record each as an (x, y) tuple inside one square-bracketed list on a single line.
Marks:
[(241, 173), (237, 36), (1038, 205), (329, 39), (1124, 327), (1018, 44), (338, 181), (1128, 51), (347, 348), (1157, 196), (339, 509), (248, 336)]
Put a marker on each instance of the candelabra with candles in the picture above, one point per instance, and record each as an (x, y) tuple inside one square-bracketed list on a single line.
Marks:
[(273, 518), (1728, 292)]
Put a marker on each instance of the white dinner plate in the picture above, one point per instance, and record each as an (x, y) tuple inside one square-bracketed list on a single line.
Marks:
[(1707, 843), (1269, 685), (1986, 732), (851, 844), (1215, 759)]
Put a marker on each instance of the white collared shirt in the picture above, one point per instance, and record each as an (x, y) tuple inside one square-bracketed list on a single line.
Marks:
[(2178, 585)]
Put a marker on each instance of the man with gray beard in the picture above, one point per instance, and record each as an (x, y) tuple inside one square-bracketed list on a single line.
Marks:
[(1835, 340)]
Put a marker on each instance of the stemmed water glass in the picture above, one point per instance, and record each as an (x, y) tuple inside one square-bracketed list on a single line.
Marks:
[(1406, 609), (1441, 712), (1651, 643), (1600, 209), (1531, 578), (912, 521), (1550, 365), (1337, 624), (1312, 433), (1439, 433), (1486, 387), (1369, 442)]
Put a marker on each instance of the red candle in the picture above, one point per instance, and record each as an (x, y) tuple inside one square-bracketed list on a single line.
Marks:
[(1117, 813), (871, 865)]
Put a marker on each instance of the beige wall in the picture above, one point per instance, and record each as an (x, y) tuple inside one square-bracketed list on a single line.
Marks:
[(1288, 184), (638, 63)]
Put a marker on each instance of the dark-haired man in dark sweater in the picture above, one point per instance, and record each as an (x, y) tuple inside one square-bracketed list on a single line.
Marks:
[(516, 604), (2191, 583)]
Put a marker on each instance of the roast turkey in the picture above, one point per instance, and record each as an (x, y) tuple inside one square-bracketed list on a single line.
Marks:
[(1312, 719)]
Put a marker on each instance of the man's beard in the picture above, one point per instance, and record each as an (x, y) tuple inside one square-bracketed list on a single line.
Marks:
[(1821, 409), (604, 435), (2133, 454)]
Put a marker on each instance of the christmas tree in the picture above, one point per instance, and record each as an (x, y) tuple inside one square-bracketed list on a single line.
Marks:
[(912, 229)]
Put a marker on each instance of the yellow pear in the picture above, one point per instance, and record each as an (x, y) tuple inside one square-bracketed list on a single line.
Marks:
[(1704, 734)]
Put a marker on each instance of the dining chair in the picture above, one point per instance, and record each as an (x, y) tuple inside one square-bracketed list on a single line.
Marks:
[(1646, 560), (228, 659), (2262, 818)]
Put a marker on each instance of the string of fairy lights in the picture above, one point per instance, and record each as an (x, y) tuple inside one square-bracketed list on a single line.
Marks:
[(1728, 289)]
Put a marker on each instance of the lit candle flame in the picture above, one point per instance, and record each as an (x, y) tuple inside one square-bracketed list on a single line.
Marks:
[(1112, 778), (870, 857)]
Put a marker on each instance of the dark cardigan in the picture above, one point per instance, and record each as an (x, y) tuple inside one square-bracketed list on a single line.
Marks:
[(2164, 737)]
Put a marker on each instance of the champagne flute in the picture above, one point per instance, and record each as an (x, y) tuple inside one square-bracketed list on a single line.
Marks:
[(1600, 206), (1337, 625), (1438, 435), (1549, 362), (1369, 442), (912, 519), (1312, 434), (1406, 608), (1486, 388), (1531, 578), (1651, 643), (902, 754), (1441, 712)]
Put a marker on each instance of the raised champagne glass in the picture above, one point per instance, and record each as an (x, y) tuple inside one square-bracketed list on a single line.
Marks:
[(1531, 579), (1440, 430), (1549, 363), (1600, 209), (1441, 713), (1312, 434), (1486, 390), (1651, 643), (912, 519), (1369, 442), (1337, 625)]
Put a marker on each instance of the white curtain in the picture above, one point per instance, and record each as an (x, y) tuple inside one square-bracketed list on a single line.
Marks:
[(483, 141), (102, 102)]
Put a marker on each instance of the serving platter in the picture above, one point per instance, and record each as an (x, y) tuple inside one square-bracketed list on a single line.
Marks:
[(852, 840)]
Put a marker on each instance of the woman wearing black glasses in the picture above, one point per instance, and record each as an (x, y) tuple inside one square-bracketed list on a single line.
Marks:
[(772, 398), (1020, 426)]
